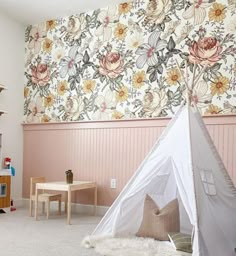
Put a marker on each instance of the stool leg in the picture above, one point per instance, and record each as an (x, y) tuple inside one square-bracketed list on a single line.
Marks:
[(43, 208), (59, 206), (48, 208), (30, 208)]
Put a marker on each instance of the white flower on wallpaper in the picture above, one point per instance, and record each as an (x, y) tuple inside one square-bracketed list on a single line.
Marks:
[(106, 17), (75, 27), (154, 102), (37, 33), (156, 12), (147, 51), (36, 111), (197, 11), (201, 95), (73, 107), (120, 62), (68, 63), (105, 105)]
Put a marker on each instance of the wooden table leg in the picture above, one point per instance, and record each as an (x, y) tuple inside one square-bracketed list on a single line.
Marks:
[(95, 200), (66, 202), (69, 206), (36, 204)]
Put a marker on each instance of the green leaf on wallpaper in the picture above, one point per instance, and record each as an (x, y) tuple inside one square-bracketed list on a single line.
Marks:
[(150, 69), (180, 89), (90, 106), (175, 103), (96, 75), (214, 75), (153, 76), (190, 65), (88, 18), (86, 101), (61, 108), (159, 69), (72, 85), (205, 76), (102, 78), (184, 55), (34, 86), (28, 76), (27, 33), (77, 79), (178, 95), (163, 113), (160, 26), (86, 57), (83, 35), (178, 4), (119, 79), (171, 44), (167, 18), (215, 67), (170, 94)]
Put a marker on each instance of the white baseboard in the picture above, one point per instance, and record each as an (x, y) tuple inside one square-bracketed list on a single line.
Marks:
[(77, 208)]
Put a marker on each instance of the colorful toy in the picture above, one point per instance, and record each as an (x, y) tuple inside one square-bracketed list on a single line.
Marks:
[(7, 163)]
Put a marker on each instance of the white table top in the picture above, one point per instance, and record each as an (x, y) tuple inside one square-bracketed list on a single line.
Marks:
[(63, 186)]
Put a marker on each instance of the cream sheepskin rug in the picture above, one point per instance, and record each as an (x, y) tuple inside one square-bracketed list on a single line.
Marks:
[(132, 246)]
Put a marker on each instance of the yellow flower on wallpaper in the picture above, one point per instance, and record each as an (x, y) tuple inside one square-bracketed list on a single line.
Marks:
[(50, 24), (120, 31), (45, 119), (122, 94), (89, 86), (173, 76), (125, 7), (212, 110), (26, 92), (117, 115), (220, 85), (62, 87), (138, 79), (47, 45), (217, 12), (49, 100)]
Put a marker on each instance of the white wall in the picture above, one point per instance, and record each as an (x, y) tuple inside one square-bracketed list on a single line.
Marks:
[(11, 100)]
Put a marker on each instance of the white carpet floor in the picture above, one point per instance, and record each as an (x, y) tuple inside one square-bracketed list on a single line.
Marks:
[(21, 235)]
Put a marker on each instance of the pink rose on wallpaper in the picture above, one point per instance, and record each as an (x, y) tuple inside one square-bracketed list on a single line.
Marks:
[(41, 74), (206, 51), (111, 65)]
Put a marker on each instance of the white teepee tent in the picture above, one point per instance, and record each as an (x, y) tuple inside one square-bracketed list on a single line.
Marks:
[(184, 164)]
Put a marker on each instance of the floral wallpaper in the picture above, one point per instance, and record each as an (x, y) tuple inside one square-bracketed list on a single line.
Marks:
[(122, 62)]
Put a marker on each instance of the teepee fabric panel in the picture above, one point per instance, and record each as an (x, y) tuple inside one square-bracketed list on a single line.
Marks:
[(215, 197)]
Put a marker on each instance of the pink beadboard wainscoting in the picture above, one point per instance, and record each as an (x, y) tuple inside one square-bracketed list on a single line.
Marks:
[(99, 151)]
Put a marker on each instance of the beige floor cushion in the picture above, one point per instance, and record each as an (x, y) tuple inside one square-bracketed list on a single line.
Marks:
[(158, 223)]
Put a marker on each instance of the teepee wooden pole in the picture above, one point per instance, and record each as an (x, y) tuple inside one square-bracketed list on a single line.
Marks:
[(200, 74), (194, 74), (181, 72), (186, 71)]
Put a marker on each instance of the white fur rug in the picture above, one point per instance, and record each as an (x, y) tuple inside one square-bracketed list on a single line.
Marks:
[(133, 246)]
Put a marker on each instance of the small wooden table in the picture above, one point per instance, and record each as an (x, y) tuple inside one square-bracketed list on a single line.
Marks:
[(63, 186)]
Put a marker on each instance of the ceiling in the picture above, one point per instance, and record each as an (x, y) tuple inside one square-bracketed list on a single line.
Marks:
[(32, 12)]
